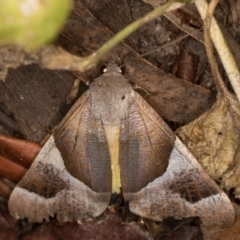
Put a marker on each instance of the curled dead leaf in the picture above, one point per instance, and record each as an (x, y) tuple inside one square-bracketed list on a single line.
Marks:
[(214, 140), (16, 155), (19, 151)]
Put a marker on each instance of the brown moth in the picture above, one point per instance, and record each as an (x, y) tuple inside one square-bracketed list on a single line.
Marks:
[(112, 141)]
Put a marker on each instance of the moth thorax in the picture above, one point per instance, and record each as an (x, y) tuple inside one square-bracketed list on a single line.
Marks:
[(110, 99)]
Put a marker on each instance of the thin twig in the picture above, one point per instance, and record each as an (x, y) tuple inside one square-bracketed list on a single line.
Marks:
[(209, 48), (222, 49)]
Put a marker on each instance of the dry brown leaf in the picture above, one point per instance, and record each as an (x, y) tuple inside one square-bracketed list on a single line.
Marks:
[(185, 66), (110, 228), (214, 140)]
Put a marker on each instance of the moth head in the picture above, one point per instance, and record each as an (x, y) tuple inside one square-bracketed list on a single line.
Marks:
[(110, 96), (112, 69)]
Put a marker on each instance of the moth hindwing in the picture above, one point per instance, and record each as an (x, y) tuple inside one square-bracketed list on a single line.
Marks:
[(112, 141)]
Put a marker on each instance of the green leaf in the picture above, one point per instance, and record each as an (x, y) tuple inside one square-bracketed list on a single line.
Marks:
[(31, 23)]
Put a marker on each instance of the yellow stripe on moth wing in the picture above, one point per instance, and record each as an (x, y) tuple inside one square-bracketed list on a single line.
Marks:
[(112, 134)]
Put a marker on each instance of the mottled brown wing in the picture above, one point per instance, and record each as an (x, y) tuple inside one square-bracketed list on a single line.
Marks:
[(182, 188), (71, 176)]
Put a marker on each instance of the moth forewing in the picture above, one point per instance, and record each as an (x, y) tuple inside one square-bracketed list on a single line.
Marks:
[(184, 190), (146, 143), (66, 179)]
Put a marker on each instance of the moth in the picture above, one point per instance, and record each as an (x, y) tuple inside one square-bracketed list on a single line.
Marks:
[(112, 141)]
